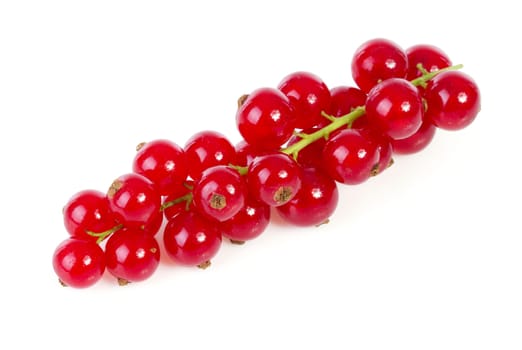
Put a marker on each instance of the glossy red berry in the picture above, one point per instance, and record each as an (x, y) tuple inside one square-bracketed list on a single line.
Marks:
[(416, 142), (383, 146), (431, 57), (395, 108), (453, 100), (78, 263), (349, 157), (220, 193), (153, 226), (274, 179), (377, 60), (250, 222), (266, 119), (309, 96), (345, 99), (315, 202), (134, 199), (245, 153), (87, 212), (191, 239), (132, 255), (206, 149), (163, 162), (385, 150)]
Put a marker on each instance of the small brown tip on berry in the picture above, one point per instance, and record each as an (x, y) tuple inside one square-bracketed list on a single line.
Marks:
[(204, 265), (241, 100), (283, 194), (62, 283), (391, 162), (218, 201), (115, 187), (323, 223), (123, 281), (140, 146), (375, 170), (237, 242)]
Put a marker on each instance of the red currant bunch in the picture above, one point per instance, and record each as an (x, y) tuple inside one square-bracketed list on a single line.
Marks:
[(300, 141)]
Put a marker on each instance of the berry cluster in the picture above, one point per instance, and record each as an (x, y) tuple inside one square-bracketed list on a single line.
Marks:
[(300, 140)]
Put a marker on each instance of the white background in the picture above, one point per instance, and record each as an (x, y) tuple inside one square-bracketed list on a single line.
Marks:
[(426, 256)]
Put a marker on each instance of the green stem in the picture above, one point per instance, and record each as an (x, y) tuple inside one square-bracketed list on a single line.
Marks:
[(102, 235), (421, 69), (348, 119), (242, 170), (188, 186), (186, 198), (423, 79)]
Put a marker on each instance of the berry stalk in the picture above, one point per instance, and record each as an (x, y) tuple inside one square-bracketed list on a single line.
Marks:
[(348, 119), (336, 123), (427, 76), (187, 198), (102, 235)]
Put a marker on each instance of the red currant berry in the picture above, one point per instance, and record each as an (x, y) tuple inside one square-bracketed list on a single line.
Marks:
[(315, 202), (245, 153), (134, 199), (250, 222), (345, 99), (132, 255), (349, 157), (274, 179), (163, 162), (309, 96), (266, 119), (206, 149), (153, 226), (377, 60), (416, 142), (395, 107), (431, 57), (453, 100), (220, 193), (78, 263), (88, 212), (384, 148), (191, 240)]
